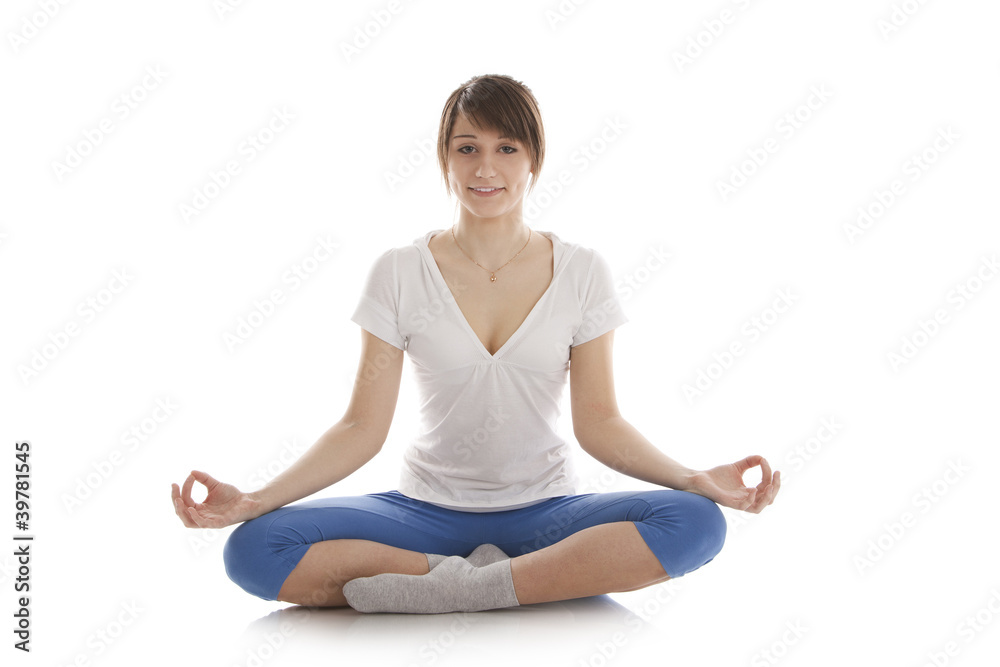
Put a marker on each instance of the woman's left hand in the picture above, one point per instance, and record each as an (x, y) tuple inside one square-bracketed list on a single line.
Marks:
[(724, 484)]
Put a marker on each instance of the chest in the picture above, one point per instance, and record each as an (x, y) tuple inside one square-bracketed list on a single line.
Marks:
[(495, 310)]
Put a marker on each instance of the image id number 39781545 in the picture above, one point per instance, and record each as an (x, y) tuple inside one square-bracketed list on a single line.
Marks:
[(22, 545)]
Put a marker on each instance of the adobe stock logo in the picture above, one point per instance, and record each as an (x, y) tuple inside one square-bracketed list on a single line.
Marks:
[(752, 330), (88, 309), (711, 31), (926, 330), (33, 24), (913, 168), (121, 108), (967, 629), (924, 500), (787, 126), (365, 34)]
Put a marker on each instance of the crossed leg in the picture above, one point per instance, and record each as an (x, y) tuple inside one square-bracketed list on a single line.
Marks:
[(318, 578), (607, 558)]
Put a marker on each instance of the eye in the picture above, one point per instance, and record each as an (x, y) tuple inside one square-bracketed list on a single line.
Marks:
[(505, 152)]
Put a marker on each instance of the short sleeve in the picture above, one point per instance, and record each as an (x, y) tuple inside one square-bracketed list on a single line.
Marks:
[(602, 310), (378, 306)]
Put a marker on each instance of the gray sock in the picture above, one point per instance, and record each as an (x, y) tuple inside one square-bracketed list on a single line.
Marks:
[(484, 554), (454, 585)]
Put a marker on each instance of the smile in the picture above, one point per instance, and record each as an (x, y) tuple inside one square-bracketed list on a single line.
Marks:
[(486, 192)]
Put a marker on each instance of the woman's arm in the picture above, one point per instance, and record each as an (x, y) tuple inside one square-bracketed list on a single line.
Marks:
[(352, 441), (604, 434), (618, 445), (337, 454), (600, 428), (345, 447)]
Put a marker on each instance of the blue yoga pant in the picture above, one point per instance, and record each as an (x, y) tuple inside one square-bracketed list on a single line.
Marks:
[(684, 530)]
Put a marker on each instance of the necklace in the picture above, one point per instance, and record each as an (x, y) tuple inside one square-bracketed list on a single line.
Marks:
[(493, 274)]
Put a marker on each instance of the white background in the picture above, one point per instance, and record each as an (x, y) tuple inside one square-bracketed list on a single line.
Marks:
[(873, 552)]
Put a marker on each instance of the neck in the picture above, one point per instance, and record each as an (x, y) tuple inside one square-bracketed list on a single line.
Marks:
[(491, 241)]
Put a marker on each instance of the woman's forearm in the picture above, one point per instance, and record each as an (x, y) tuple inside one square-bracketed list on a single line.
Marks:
[(339, 452), (618, 445)]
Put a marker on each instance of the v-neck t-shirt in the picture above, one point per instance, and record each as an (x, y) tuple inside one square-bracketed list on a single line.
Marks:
[(487, 437)]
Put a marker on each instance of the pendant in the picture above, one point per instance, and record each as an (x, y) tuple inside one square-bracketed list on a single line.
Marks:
[(493, 277)]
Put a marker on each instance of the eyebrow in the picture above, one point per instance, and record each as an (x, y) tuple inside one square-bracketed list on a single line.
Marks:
[(459, 136)]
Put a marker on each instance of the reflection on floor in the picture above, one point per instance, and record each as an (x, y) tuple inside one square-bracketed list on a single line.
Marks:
[(588, 631)]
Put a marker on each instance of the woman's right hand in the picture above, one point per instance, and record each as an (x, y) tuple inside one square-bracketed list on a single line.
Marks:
[(223, 506)]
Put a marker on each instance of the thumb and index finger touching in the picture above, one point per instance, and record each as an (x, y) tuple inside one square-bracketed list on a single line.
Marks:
[(182, 494), (184, 504), (196, 475), (752, 461)]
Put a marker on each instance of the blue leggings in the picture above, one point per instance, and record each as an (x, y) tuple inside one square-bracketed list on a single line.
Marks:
[(684, 530)]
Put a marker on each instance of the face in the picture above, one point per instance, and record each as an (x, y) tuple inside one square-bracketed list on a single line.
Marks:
[(480, 158)]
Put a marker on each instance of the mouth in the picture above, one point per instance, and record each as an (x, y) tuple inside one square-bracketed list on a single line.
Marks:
[(486, 192)]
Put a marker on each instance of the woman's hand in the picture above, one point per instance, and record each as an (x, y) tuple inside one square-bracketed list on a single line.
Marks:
[(223, 506), (724, 484)]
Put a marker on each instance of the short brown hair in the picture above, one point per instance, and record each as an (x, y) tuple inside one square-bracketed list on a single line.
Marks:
[(496, 102)]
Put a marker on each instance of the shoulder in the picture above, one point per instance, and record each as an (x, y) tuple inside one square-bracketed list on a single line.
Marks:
[(581, 260), (397, 258)]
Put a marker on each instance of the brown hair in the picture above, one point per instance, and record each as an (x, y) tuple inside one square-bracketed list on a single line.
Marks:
[(496, 102)]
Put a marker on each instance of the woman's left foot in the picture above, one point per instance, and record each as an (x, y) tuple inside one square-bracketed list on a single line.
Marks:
[(455, 584)]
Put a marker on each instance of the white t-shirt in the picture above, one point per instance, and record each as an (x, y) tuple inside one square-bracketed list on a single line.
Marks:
[(487, 439)]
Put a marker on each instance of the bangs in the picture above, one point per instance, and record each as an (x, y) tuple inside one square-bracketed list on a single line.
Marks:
[(494, 113)]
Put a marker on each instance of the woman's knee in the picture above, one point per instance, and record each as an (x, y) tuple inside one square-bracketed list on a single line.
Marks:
[(247, 558), (693, 531), (710, 522)]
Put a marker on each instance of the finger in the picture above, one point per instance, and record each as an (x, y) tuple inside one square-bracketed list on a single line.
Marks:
[(179, 508), (777, 485), (175, 496), (765, 474), (206, 479), (186, 491), (747, 463), (194, 516), (772, 490), (763, 500), (765, 468), (768, 496), (185, 519)]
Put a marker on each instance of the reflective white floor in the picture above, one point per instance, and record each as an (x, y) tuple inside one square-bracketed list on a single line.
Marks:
[(559, 633)]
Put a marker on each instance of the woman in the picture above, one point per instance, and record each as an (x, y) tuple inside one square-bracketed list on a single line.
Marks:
[(495, 317)]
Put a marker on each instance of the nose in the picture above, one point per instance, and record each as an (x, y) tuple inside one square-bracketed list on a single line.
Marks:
[(485, 168)]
